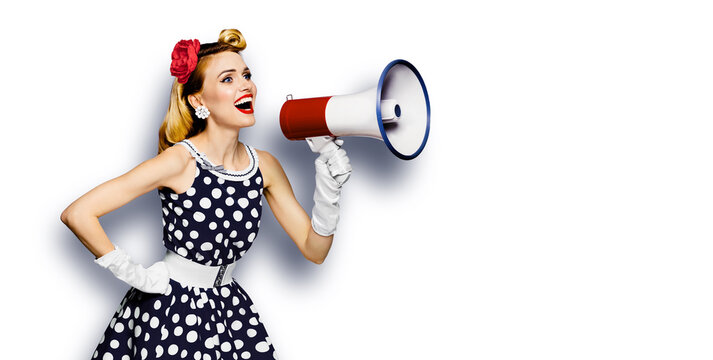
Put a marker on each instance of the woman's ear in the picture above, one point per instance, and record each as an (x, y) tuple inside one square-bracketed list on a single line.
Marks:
[(195, 101)]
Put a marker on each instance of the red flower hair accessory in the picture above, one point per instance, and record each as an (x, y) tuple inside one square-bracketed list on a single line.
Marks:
[(184, 59)]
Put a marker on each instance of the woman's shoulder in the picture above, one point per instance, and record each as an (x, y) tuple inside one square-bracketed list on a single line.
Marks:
[(173, 160), (265, 157)]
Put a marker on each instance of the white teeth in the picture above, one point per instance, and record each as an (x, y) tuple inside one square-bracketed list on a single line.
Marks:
[(244, 100)]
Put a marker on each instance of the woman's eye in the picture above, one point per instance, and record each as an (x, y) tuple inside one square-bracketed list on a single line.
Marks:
[(227, 79), (247, 76)]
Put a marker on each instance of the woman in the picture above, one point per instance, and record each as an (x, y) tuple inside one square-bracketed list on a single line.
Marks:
[(188, 305)]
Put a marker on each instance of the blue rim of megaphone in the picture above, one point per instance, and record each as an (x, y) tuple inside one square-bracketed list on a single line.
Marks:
[(378, 109)]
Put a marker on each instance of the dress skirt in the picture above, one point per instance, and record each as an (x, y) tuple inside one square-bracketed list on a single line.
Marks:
[(189, 323)]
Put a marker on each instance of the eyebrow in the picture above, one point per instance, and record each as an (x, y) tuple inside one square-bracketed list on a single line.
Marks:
[(231, 70)]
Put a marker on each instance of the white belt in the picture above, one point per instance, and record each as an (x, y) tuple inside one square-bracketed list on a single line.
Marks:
[(190, 273)]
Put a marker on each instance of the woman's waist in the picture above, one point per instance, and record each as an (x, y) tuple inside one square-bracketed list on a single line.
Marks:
[(190, 273)]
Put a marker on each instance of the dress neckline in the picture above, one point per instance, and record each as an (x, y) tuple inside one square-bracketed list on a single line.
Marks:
[(219, 170)]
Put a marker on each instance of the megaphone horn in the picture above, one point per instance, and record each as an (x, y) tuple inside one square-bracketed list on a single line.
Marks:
[(396, 111)]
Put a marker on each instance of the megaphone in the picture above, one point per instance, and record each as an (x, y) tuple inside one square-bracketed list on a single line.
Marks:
[(396, 111)]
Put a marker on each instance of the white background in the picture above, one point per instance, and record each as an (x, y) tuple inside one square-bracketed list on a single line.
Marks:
[(561, 209)]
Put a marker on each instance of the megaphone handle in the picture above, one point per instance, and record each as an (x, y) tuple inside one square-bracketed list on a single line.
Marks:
[(322, 144)]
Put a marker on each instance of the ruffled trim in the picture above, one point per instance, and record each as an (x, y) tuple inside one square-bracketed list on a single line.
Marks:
[(218, 170)]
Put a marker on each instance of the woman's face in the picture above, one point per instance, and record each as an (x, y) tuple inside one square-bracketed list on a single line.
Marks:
[(228, 92)]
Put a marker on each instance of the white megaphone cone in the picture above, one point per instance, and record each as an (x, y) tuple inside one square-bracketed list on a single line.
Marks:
[(396, 111)]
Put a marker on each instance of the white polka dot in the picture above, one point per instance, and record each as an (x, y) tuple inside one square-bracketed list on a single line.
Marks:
[(108, 356), (262, 347), (238, 344), (179, 234), (191, 319), (245, 355), (154, 322), (114, 344), (206, 357), (198, 216), (213, 225), (225, 346), (204, 203), (219, 237), (229, 201), (206, 246), (243, 202), (248, 225), (225, 292), (182, 251), (240, 244), (176, 318), (226, 224), (254, 213), (173, 196), (144, 353), (184, 352), (164, 333), (145, 317), (172, 349), (258, 180), (221, 181), (208, 343), (157, 304), (197, 355), (159, 350), (178, 331), (193, 234), (219, 212), (233, 234), (220, 328), (192, 336), (251, 237), (216, 193), (253, 321), (252, 332), (185, 222), (137, 331), (189, 245), (191, 191), (119, 327), (126, 357), (170, 227), (178, 210), (237, 215), (206, 180), (236, 325), (187, 203), (253, 194), (231, 190), (246, 183)]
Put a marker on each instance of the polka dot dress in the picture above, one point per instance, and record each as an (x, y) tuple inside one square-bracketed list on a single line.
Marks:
[(213, 223)]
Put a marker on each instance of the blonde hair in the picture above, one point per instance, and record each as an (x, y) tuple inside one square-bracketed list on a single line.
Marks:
[(180, 121)]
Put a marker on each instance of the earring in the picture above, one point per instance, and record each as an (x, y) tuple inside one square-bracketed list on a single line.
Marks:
[(202, 112)]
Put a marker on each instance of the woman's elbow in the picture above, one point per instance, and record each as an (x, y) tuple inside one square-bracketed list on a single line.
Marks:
[(65, 216)]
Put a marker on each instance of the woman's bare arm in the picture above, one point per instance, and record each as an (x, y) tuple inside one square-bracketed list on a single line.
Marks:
[(82, 215), (289, 213)]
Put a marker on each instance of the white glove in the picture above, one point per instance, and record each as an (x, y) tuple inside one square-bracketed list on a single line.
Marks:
[(332, 171), (155, 279)]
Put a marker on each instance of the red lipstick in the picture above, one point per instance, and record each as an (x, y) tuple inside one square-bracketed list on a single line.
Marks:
[(244, 104)]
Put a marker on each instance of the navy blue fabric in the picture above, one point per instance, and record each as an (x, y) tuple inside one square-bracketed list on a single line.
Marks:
[(213, 223)]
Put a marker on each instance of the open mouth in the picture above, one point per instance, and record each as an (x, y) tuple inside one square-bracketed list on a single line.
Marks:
[(245, 104)]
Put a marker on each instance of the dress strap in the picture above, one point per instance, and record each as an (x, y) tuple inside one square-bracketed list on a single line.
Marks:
[(204, 163), (190, 148)]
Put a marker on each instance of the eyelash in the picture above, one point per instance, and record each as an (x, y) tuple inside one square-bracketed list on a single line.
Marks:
[(247, 76)]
